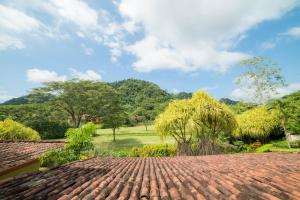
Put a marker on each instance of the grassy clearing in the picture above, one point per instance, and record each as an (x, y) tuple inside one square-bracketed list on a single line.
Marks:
[(126, 138), (276, 146)]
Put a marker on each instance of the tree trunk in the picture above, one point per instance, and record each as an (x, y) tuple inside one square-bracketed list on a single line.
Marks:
[(207, 147), (184, 149), (146, 126), (287, 135), (114, 134)]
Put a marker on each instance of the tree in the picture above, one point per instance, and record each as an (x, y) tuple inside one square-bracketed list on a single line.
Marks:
[(114, 114), (78, 97), (289, 111), (141, 116), (257, 123), (261, 80), (210, 118), (51, 123), (175, 121)]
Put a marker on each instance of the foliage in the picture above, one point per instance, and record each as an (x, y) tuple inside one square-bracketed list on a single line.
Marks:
[(202, 116), (136, 94), (254, 146), (256, 123), (154, 151), (183, 95), (241, 107), (114, 114), (210, 119), (50, 129), (49, 122), (285, 150), (261, 79), (11, 130), (78, 98), (242, 147), (175, 121), (57, 157), (264, 148), (289, 107), (228, 101), (80, 139)]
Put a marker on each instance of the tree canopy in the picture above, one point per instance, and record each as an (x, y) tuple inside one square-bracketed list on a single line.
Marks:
[(261, 79), (211, 118), (78, 97), (257, 123), (202, 116)]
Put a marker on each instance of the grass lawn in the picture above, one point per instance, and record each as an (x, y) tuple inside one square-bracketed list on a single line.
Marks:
[(126, 138)]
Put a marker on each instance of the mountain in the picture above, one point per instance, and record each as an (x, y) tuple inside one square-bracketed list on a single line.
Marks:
[(139, 93), (228, 101), (30, 98), (183, 95)]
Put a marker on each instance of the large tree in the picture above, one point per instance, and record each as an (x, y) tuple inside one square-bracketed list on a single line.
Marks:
[(78, 98), (261, 79), (211, 119), (176, 122)]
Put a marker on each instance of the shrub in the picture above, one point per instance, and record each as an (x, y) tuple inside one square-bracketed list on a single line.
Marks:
[(50, 129), (153, 151), (257, 123), (11, 130), (58, 157), (254, 146), (79, 140)]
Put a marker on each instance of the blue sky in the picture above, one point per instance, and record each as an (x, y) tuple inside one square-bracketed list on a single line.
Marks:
[(180, 45)]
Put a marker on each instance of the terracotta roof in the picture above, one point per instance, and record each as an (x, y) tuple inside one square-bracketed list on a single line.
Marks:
[(240, 176), (13, 153)]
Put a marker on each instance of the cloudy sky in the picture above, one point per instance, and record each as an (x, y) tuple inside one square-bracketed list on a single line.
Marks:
[(180, 45)]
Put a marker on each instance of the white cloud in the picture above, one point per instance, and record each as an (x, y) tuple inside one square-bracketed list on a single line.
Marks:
[(194, 34), (246, 94), (88, 51), (16, 21), (175, 91), (87, 75), (40, 76), (10, 42), (13, 24), (293, 32), (268, 45)]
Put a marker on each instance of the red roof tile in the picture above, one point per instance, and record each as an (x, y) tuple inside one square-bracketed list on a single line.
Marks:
[(240, 176), (13, 154)]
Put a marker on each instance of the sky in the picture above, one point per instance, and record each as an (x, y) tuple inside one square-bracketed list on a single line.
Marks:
[(179, 45)]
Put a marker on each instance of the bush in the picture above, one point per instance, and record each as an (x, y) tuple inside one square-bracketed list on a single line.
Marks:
[(241, 145), (254, 146), (295, 144), (50, 129), (257, 123), (79, 140), (58, 157), (153, 151), (11, 130)]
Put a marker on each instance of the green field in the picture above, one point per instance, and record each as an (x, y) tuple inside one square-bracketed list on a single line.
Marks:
[(126, 138)]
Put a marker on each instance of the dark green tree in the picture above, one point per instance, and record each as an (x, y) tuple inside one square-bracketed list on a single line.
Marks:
[(78, 98)]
